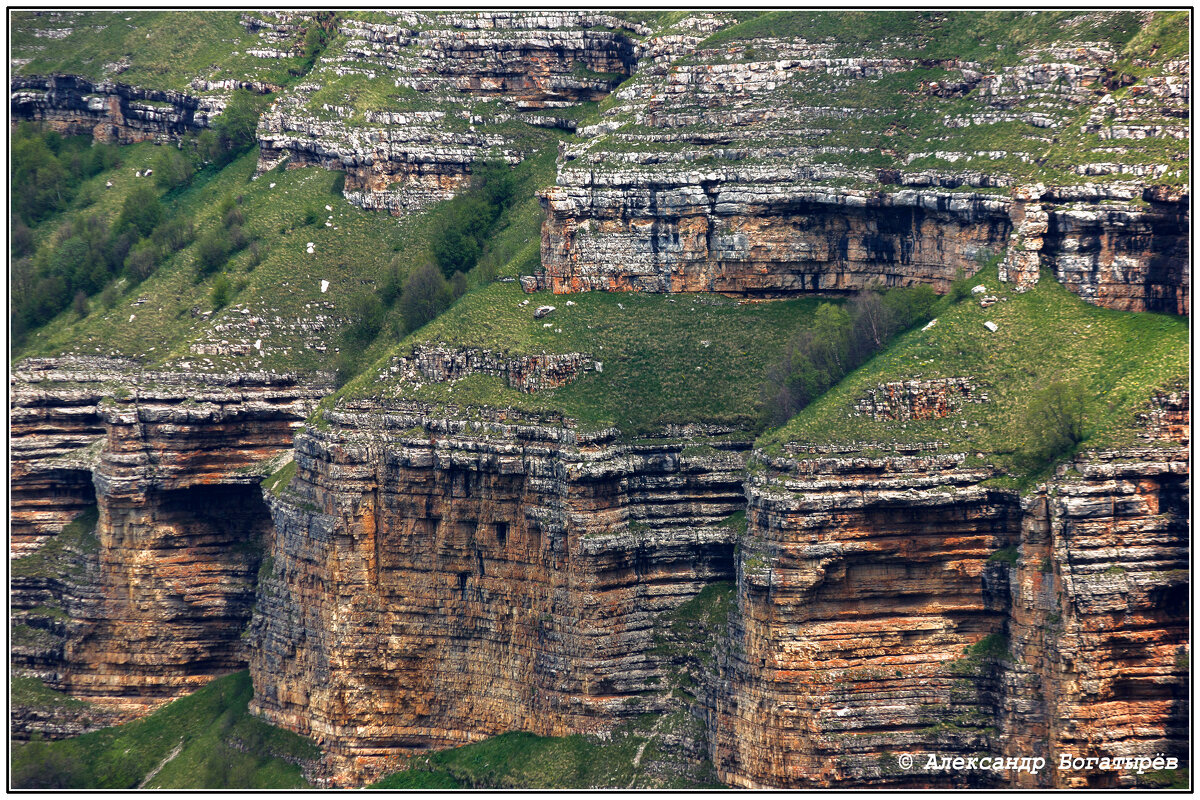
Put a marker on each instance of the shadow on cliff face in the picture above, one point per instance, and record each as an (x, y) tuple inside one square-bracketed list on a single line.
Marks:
[(213, 534), (178, 575)]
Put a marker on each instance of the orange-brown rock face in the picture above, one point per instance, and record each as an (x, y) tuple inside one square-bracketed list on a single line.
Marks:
[(55, 433), (181, 525), (754, 234), (861, 583), (434, 582), (1132, 260), (1099, 618), (760, 239), (893, 606)]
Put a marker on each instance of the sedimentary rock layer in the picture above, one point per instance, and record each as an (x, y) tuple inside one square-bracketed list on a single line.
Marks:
[(105, 110), (725, 235), (445, 69), (181, 520), (54, 440), (432, 582), (776, 165), (895, 605), (752, 233)]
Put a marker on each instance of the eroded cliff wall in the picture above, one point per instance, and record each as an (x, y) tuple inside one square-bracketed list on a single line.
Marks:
[(765, 165), (891, 606), (181, 521), (434, 581), (105, 110)]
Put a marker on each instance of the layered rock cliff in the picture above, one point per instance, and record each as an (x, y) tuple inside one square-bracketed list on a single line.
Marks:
[(898, 605), (420, 573), (157, 91), (459, 89), (107, 111), (764, 166), (175, 470), (433, 581)]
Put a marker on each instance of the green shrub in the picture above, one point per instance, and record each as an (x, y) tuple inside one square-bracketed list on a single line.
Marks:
[(174, 233), (472, 218), (426, 294), (1008, 555), (141, 211), (212, 251), (141, 261), (392, 285), (1054, 423), (960, 289), (236, 125), (366, 317), (838, 342), (222, 290), (172, 168)]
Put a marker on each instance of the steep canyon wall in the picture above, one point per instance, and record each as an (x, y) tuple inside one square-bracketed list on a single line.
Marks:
[(896, 605), (173, 464), (432, 582)]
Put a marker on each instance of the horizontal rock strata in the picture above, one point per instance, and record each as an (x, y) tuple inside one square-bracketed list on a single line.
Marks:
[(105, 110), (526, 373), (181, 520), (433, 582), (895, 605)]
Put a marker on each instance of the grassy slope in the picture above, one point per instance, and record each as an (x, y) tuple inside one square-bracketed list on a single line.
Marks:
[(1044, 335), (523, 760), (29, 692), (526, 761), (166, 49), (350, 257), (657, 368), (969, 35), (221, 747), (351, 254)]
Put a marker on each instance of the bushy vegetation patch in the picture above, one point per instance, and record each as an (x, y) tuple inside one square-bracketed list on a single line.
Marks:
[(839, 339)]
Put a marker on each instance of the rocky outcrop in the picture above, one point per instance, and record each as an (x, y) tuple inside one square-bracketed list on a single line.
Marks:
[(445, 70), (105, 110), (929, 399), (525, 373), (181, 521), (55, 435), (897, 606), (770, 166), (1170, 416), (432, 581), (1098, 621), (749, 232), (754, 234), (1132, 259)]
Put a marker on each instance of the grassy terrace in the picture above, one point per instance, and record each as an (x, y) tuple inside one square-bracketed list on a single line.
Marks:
[(165, 49), (666, 359), (1045, 335), (206, 740)]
